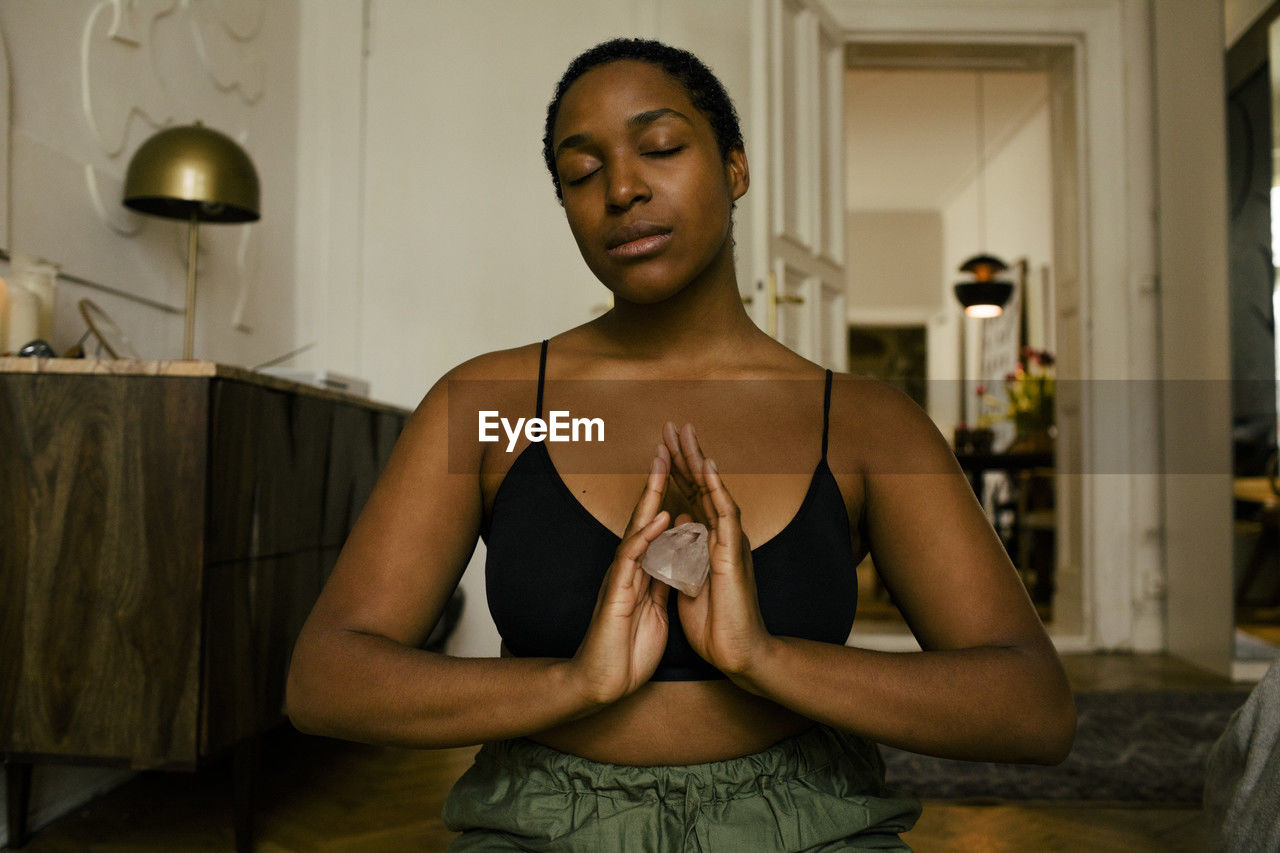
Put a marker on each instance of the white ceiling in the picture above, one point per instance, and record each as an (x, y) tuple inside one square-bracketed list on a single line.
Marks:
[(911, 135)]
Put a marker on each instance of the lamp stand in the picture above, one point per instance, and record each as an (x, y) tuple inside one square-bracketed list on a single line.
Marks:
[(189, 315)]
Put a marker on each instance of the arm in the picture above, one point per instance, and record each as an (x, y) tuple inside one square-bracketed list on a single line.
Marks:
[(988, 684), (357, 672)]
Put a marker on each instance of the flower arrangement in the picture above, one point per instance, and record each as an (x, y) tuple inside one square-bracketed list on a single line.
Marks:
[(989, 407), (1029, 393), (1030, 389)]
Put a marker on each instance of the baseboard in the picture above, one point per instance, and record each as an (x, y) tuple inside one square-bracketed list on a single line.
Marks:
[(1249, 670)]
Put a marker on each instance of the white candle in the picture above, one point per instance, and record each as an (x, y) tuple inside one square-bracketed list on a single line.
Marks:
[(4, 319), (23, 322)]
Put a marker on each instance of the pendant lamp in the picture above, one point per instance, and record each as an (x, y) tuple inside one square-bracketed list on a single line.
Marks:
[(197, 174), (985, 294)]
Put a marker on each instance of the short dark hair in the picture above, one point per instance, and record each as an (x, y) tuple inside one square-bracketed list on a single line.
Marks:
[(705, 90)]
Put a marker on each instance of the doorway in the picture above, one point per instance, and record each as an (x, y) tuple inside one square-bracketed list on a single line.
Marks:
[(1253, 81), (950, 151)]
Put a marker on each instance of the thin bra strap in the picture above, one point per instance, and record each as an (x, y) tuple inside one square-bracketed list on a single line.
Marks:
[(826, 408), (542, 372)]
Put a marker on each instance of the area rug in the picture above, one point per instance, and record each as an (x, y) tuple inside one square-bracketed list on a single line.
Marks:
[(1131, 746)]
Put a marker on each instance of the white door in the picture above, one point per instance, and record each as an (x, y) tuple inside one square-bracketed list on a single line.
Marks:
[(804, 287)]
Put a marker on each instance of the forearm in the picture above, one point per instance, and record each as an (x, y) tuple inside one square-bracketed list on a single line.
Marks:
[(977, 704), (374, 690)]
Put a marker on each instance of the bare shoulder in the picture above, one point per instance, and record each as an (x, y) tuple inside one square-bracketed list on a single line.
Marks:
[(876, 427), (505, 364), (493, 378)]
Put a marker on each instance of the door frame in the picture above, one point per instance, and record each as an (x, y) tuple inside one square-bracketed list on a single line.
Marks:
[(1127, 504)]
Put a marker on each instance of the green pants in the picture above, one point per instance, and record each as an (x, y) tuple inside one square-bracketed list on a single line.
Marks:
[(821, 790)]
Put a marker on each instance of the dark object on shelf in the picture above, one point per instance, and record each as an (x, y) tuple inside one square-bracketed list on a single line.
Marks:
[(37, 349), (974, 440)]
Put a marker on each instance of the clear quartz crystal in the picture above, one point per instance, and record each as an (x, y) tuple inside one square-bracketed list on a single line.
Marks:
[(679, 557)]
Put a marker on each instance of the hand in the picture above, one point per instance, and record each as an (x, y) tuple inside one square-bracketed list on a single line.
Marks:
[(628, 630), (723, 623)]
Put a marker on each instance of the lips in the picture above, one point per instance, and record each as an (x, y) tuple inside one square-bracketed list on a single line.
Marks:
[(641, 234)]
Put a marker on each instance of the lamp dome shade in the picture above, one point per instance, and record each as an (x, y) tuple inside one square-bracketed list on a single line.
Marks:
[(192, 170), (973, 294), (984, 267)]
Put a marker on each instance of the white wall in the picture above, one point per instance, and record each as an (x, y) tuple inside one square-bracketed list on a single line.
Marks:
[(1019, 218), (1239, 15), (1190, 111), (893, 264), (911, 140), (447, 233), (87, 87), (444, 239)]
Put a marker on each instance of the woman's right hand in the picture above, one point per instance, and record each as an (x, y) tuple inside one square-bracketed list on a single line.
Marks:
[(628, 630)]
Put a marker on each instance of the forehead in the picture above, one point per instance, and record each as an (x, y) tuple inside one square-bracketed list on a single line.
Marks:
[(617, 91)]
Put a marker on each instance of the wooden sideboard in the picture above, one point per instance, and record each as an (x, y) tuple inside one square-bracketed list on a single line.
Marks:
[(165, 528)]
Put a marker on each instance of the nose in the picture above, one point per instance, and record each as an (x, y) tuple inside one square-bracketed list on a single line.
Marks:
[(626, 184)]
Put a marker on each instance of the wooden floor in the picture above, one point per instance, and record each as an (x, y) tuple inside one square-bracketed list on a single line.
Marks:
[(323, 795)]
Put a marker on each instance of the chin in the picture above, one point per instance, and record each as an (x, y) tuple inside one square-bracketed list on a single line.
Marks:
[(644, 295)]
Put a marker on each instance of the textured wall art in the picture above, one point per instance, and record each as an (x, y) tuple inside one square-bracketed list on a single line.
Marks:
[(137, 75), (99, 77)]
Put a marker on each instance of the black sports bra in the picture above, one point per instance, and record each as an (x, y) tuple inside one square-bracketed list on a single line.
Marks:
[(547, 556)]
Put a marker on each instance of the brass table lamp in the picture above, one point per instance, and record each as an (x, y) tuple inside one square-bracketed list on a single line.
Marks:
[(198, 174)]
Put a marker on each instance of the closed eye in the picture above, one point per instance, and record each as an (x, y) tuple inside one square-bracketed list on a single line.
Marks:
[(664, 152), (581, 180)]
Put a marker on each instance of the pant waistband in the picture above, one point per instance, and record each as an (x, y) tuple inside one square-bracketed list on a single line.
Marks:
[(812, 751)]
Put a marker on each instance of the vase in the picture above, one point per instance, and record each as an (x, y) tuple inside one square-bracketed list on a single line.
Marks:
[(1033, 430)]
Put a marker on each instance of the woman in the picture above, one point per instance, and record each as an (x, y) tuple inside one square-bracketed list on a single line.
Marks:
[(622, 714)]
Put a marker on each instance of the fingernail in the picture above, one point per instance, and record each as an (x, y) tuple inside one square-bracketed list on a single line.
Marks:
[(656, 467), (711, 463)]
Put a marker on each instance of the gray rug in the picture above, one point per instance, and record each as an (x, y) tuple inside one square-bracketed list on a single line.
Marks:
[(1131, 746)]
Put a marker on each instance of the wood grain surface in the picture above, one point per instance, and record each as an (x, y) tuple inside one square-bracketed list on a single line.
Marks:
[(162, 539), (105, 558)]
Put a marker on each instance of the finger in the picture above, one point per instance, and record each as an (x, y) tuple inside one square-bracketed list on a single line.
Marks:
[(651, 497), (691, 489), (623, 571), (633, 547), (682, 518), (685, 486), (659, 593), (680, 471), (693, 455), (728, 522)]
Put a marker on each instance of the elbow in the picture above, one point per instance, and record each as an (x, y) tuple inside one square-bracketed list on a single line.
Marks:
[(300, 705), (295, 708), (1051, 741)]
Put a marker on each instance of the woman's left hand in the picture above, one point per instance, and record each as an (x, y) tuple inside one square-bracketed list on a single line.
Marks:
[(723, 622)]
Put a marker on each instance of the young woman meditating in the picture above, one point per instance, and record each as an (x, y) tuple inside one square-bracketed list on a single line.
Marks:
[(623, 714)]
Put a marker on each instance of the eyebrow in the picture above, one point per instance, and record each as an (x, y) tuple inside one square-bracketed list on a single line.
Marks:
[(638, 120)]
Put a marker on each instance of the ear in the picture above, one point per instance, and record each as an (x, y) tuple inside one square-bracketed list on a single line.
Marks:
[(736, 172)]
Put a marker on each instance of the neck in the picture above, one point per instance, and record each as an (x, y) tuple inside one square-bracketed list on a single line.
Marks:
[(703, 325)]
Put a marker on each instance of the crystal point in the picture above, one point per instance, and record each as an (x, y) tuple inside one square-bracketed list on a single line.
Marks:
[(679, 557)]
